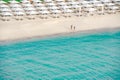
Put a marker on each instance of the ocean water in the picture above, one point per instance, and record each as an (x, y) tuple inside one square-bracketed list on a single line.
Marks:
[(94, 56)]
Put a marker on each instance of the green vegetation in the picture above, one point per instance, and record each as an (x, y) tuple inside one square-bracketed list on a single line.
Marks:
[(9, 0)]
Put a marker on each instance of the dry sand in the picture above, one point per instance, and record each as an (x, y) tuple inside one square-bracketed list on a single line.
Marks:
[(13, 30)]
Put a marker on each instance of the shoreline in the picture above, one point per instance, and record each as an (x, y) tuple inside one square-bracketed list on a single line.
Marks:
[(13, 31), (85, 32)]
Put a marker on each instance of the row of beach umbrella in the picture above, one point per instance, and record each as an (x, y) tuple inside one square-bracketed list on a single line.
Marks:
[(56, 8)]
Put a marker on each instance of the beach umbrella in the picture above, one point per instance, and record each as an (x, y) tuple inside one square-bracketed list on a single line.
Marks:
[(45, 12), (29, 9), (27, 5), (59, 0), (114, 7), (25, 1), (6, 14), (68, 11), (15, 5), (56, 11), (110, 4), (37, 1), (73, 3), (31, 13), (18, 9), (4, 6), (68, 3), (116, 0), (99, 5), (43, 8), (61, 3), (96, 2), (47, 0), (5, 10), (88, 5), (91, 9), (51, 4), (106, 1), (54, 8), (19, 13), (85, 2), (75, 6), (39, 4), (66, 7)]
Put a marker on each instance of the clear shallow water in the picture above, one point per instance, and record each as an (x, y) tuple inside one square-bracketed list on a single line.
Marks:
[(78, 57)]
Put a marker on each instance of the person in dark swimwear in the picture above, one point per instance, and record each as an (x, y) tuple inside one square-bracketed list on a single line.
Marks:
[(71, 27), (74, 27)]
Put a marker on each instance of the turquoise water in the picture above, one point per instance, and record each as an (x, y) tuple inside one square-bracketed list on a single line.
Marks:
[(94, 56)]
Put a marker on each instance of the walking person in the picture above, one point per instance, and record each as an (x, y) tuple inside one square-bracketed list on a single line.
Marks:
[(71, 27), (74, 27)]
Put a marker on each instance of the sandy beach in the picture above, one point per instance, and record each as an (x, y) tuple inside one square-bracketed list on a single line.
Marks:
[(14, 30)]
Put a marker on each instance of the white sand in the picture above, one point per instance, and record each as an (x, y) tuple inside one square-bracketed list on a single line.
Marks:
[(12, 30)]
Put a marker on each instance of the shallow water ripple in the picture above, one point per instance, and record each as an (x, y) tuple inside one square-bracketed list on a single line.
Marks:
[(78, 57)]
